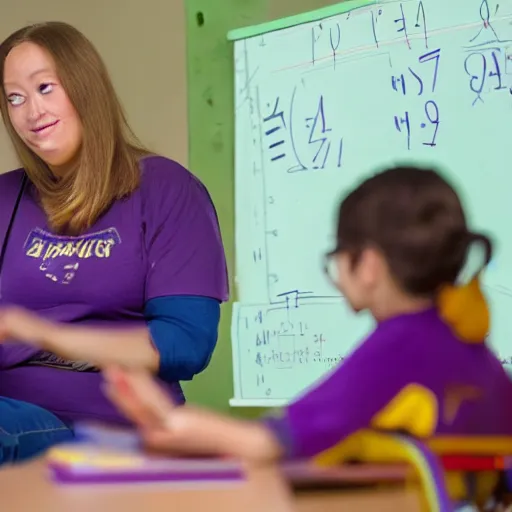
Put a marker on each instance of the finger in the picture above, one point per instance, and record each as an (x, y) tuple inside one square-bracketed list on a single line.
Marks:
[(132, 410), (120, 392), (139, 383), (186, 431), (117, 377), (4, 328), (143, 395), (147, 389), (160, 440), (169, 441)]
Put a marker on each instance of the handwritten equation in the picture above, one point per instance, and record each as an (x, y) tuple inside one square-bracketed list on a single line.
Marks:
[(308, 140), (488, 63), (303, 340), (415, 83), (402, 22)]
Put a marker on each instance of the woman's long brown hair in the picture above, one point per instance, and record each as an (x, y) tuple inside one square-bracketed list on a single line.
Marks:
[(107, 167)]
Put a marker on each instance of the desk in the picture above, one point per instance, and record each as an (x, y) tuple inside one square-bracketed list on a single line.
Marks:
[(27, 487)]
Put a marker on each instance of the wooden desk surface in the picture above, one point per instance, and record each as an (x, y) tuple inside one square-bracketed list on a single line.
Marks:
[(28, 487)]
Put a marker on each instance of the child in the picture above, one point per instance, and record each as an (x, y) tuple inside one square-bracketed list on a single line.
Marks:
[(404, 252)]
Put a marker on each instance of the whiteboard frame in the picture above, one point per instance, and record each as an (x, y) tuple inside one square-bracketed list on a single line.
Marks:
[(299, 19)]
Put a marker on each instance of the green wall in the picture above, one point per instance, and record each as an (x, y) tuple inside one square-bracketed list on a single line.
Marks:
[(211, 143), (211, 138)]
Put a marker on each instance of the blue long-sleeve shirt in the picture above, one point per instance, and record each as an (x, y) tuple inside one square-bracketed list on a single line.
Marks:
[(184, 330)]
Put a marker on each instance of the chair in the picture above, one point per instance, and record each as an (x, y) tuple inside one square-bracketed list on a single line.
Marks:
[(446, 469)]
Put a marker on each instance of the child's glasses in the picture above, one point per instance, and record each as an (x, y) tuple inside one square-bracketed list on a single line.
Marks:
[(331, 267)]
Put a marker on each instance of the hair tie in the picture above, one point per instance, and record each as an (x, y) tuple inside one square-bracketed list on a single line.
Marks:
[(462, 305)]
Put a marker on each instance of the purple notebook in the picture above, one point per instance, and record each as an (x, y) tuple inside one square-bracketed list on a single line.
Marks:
[(105, 456), (103, 470)]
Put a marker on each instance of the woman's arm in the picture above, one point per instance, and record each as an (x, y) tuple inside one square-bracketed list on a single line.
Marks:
[(130, 347), (177, 342)]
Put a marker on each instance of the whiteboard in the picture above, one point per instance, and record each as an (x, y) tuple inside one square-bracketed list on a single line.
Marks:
[(324, 100)]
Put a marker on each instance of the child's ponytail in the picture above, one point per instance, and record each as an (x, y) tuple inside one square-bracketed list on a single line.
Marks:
[(462, 304)]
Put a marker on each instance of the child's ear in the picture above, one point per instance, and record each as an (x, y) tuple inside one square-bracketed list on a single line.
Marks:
[(372, 266)]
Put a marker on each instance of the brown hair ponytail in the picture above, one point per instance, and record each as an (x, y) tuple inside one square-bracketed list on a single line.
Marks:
[(462, 305)]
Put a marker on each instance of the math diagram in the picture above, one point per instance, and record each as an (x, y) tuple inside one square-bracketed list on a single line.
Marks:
[(303, 133)]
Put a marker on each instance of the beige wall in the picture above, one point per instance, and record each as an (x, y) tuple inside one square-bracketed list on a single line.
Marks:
[(143, 44)]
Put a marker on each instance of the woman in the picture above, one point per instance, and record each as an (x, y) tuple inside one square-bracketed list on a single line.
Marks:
[(110, 255)]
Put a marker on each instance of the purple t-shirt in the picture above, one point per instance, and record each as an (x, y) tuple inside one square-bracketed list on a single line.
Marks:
[(468, 388), (162, 240)]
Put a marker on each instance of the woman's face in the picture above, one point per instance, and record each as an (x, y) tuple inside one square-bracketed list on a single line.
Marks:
[(39, 108)]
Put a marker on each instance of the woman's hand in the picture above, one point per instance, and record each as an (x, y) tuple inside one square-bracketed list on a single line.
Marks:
[(21, 325), (162, 425), (139, 398), (185, 429)]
